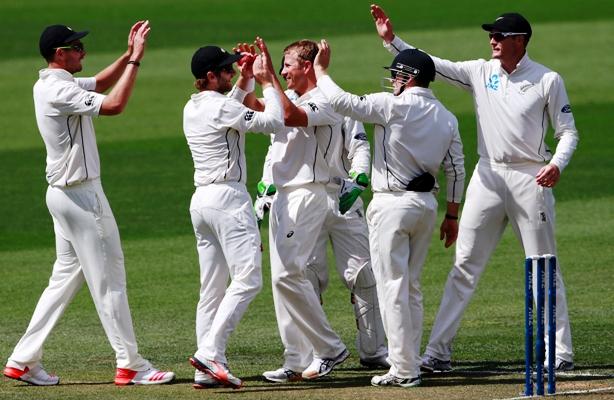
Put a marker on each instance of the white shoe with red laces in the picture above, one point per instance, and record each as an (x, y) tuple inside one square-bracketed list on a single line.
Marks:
[(34, 376), (150, 376)]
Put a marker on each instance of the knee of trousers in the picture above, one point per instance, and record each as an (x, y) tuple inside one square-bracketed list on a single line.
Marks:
[(462, 280), (286, 279), (248, 287)]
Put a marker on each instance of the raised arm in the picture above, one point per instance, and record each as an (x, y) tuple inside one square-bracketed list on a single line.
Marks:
[(382, 23), (369, 108), (293, 115), (115, 102), (111, 74)]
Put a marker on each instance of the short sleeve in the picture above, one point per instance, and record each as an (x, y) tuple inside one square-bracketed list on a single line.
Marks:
[(72, 99)]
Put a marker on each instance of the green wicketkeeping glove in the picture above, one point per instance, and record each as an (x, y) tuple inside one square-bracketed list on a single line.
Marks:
[(263, 201), (350, 190)]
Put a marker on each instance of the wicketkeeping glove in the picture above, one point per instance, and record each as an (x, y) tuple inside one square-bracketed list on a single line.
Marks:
[(264, 199), (351, 189)]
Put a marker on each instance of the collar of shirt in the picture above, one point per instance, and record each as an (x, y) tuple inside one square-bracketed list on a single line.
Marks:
[(201, 96), (56, 72), (521, 66), (419, 91)]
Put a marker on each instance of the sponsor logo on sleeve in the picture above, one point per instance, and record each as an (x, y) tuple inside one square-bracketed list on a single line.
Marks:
[(493, 82), (313, 106), (89, 99), (249, 115), (360, 136), (363, 98), (566, 109)]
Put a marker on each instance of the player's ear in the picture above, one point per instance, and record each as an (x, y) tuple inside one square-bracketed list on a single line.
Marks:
[(307, 65)]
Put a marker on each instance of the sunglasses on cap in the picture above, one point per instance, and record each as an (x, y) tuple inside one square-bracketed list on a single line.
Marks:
[(76, 47), (499, 36)]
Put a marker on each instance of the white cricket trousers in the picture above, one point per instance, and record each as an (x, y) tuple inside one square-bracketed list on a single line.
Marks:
[(349, 236), (498, 194), (228, 245), (400, 229), (88, 250), (297, 216)]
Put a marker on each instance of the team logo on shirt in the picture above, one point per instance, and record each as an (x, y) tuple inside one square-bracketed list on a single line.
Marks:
[(566, 109), (363, 98), (313, 106), (249, 115), (290, 234), (361, 136), (493, 82), (89, 100)]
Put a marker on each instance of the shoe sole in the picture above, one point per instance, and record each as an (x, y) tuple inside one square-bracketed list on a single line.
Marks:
[(275, 380), (16, 374), (405, 386), (222, 378)]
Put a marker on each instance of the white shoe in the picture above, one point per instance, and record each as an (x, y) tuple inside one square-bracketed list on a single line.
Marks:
[(34, 376), (150, 376), (282, 375), (393, 380), (323, 366), (203, 380), (217, 370)]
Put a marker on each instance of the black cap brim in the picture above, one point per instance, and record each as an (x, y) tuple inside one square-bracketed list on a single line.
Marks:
[(231, 59), (488, 27), (76, 36)]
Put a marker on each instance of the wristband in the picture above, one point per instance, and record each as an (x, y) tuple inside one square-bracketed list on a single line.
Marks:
[(450, 216), (135, 63)]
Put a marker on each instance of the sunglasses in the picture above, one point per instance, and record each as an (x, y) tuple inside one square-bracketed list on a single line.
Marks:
[(76, 47), (500, 36)]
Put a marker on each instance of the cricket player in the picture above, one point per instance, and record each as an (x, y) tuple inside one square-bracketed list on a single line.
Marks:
[(300, 173), (345, 226), (87, 240), (414, 135), (227, 237), (515, 99)]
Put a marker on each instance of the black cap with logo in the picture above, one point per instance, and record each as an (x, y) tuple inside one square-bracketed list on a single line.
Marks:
[(413, 62), (211, 58), (55, 36), (509, 23)]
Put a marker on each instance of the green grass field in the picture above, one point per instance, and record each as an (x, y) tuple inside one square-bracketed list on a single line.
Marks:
[(147, 175)]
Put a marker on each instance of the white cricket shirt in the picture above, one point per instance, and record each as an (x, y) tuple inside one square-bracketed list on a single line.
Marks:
[(298, 154), (414, 133), (215, 126), (64, 107), (512, 110)]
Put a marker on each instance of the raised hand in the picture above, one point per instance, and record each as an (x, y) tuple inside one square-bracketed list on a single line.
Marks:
[(322, 59), (139, 40), (131, 35), (264, 52), (382, 23), (248, 52)]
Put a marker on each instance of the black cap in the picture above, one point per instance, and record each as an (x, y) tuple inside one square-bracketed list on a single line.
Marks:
[(55, 36), (211, 58), (414, 62), (509, 23)]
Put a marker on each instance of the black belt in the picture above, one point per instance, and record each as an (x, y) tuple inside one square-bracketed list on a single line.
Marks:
[(421, 183)]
